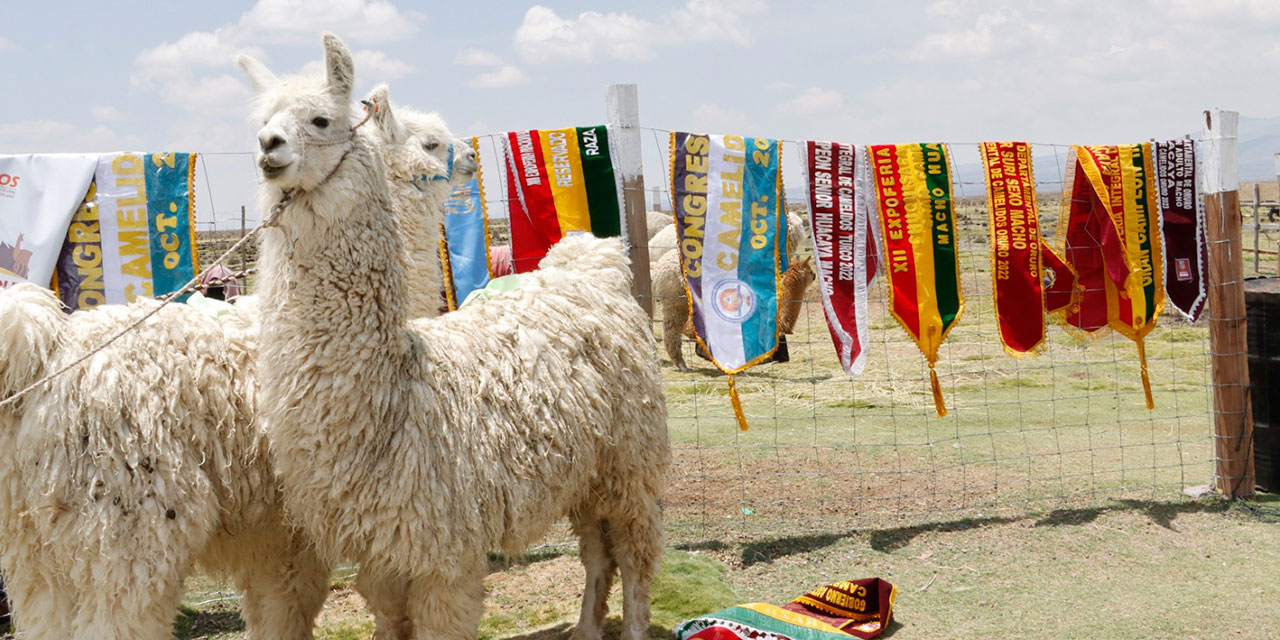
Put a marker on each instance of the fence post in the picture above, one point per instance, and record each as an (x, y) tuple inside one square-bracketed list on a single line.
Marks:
[(1278, 200), (623, 108), (1232, 414), (1257, 226)]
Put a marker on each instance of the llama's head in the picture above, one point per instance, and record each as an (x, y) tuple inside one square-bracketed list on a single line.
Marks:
[(419, 145), (306, 120)]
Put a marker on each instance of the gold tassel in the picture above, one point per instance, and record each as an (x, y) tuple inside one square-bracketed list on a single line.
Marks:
[(1146, 382), (938, 403), (446, 268), (737, 405)]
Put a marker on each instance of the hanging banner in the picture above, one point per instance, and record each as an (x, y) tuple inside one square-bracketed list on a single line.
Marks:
[(917, 224), (38, 196), (1058, 280), (1014, 228), (1186, 247), (564, 182), (1092, 245), (467, 237), (134, 236), (728, 200), (844, 243), (1114, 239)]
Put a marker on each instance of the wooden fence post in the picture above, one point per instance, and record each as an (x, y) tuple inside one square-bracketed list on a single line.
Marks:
[(623, 107), (1257, 226), (1232, 414), (1277, 157)]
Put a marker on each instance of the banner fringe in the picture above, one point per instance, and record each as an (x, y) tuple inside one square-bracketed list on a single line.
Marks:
[(938, 402), (737, 404), (1146, 382)]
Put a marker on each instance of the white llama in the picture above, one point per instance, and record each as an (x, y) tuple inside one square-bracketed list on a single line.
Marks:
[(120, 475), (418, 448), (423, 161)]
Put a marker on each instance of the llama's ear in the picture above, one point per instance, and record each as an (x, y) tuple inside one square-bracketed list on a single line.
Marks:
[(380, 102), (338, 66), (258, 73)]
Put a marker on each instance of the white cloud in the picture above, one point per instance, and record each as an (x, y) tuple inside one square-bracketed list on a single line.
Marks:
[(504, 76), (997, 32), (8, 45), (192, 52), (106, 112), (477, 58), (814, 101), (713, 118), (34, 129), (715, 20), (500, 74), (56, 136), (379, 66), (355, 20), (545, 37)]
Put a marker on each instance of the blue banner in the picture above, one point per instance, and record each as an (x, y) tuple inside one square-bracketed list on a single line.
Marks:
[(170, 210), (465, 230)]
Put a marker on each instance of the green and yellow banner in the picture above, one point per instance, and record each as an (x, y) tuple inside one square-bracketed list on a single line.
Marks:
[(1113, 243), (912, 183)]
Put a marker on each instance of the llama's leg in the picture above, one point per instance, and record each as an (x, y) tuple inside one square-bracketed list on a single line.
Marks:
[(675, 313), (41, 608), (637, 548), (283, 594), (388, 598), (597, 559), (449, 608)]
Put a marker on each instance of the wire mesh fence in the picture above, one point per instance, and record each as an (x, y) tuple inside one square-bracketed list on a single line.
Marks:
[(830, 453)]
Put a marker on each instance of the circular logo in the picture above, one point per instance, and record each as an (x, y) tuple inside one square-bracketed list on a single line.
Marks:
[(1050, 277), (733, 300)]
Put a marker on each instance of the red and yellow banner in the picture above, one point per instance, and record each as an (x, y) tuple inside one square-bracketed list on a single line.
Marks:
[(1113, 243), (563, 182), (1014, 226), (912, 183)]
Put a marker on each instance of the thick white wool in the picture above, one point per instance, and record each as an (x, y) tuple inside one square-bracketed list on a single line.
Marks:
[(121, 474)]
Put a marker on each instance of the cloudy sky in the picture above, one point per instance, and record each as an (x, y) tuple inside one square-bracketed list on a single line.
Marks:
[(94, 76)]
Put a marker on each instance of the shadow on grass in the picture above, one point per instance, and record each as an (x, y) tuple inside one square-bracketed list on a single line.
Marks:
[(702, 545), (1160, 512), (770, 550), (199, 624), (502, 562)]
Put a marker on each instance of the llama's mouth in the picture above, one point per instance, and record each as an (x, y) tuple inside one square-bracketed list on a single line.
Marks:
[(270, 171)]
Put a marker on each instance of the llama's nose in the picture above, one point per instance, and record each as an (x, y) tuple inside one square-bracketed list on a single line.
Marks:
[(270, 141)]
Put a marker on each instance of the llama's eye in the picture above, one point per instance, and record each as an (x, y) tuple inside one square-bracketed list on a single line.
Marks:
[(320, 121), (431, 146)]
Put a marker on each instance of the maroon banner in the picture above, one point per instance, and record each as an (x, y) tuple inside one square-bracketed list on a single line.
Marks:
[(1014, 224), (842, 237), (1186, 251)]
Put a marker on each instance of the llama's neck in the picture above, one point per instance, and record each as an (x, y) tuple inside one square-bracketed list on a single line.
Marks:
[(419, 213), (332, 277)]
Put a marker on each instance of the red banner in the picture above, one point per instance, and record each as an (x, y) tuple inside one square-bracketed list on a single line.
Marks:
[(1015, 244), (843, 243)]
